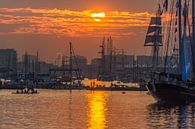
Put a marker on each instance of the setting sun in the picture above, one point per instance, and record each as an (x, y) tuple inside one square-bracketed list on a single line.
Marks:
[(97, 16), (97, 20)]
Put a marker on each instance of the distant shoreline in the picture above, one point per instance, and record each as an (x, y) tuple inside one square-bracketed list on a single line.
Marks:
[(84, 88)]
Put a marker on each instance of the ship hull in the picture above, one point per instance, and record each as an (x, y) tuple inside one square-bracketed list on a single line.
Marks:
[(170, 93)]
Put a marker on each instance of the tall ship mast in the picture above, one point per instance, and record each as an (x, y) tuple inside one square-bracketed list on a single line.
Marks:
[(171, 34), (70, 75)]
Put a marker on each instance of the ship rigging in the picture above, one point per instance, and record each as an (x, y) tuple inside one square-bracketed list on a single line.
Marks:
[(171, 34)]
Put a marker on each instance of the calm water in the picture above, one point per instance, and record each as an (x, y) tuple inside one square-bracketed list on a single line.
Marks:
[(90, 110)]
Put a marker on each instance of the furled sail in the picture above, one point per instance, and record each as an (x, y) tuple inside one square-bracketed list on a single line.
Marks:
[(185, 49), (155, 21), (186, 62), (154, 33), (154, 29), (153, 38)]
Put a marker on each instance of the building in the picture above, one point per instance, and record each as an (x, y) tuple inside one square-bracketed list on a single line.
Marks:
[(94, 68), (8, 60), (45, 67), (115, 65), (32, 64), (144, 61), (29, 64)]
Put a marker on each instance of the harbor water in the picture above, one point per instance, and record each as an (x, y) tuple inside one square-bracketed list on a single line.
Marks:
[(60, 109)]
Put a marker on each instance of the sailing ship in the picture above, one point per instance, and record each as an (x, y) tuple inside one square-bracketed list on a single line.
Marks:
[(71, 78), (175, 38), (26, 82)]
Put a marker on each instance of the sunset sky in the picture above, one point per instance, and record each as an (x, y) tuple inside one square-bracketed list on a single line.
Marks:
[(48, 25)]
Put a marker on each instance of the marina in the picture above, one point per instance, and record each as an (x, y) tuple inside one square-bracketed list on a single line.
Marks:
[(97, 64), (85, 85)]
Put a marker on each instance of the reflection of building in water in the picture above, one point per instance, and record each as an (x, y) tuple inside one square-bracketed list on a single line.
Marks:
[(96, 110), (171, 116)]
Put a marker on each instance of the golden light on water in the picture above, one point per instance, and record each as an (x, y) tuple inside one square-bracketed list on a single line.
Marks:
[(96, 103)]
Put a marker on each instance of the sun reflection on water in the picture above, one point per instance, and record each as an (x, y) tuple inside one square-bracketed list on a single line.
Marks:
[(96, 109)]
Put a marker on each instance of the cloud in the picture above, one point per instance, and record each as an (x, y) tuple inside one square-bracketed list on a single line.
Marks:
[(70, 23)]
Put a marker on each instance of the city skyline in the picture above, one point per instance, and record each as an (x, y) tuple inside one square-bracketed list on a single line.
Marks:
[(48, 26)]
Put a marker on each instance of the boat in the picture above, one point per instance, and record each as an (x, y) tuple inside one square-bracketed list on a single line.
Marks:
[(173, 80), (70, 78), (26, 82), (26, 91)]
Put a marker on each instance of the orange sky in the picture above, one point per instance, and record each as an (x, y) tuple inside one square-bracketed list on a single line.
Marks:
[(32, 26)]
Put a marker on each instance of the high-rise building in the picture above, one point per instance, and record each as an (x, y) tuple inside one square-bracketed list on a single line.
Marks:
[(8, 59)]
